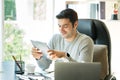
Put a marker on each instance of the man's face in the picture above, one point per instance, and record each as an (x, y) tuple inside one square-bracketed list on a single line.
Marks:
[(66, 28)]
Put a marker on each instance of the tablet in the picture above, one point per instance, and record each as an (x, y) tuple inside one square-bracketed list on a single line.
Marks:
[(41, 46)]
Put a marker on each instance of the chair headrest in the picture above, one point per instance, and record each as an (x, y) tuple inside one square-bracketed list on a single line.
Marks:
[(87, 27)]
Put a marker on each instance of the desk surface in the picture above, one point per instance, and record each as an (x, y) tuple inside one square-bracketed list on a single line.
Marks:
[(8, 69)]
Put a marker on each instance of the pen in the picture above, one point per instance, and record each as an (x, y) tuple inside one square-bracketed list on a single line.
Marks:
[(21, 61), (17, 63)]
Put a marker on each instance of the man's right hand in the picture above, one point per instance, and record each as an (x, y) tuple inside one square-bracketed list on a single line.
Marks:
[(37, 54)]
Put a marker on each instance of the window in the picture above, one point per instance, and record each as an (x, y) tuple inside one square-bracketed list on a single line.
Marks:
[(25, 20), (10, 9)]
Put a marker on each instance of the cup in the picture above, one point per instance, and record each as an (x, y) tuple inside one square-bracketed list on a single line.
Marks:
[(30, 68)]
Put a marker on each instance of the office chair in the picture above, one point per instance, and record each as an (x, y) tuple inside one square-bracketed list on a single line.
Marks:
[(98, 31)]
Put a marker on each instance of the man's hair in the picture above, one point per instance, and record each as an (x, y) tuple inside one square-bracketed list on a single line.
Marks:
[(69, 14)]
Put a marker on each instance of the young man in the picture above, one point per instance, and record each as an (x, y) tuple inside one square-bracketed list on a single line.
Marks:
[(69, 45)]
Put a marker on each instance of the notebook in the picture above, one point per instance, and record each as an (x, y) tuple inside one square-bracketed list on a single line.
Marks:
[(77, 71)]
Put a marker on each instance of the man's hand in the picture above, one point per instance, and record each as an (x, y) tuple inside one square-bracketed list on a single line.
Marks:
[(53, 54), (37, 54)]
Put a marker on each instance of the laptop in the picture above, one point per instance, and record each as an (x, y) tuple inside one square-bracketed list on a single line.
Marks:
[(77, 71)]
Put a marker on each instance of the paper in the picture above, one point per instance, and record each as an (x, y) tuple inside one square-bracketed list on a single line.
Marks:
[(30, 77), (41, 46)]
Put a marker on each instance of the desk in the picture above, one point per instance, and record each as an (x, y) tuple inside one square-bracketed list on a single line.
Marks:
[(8, 69)]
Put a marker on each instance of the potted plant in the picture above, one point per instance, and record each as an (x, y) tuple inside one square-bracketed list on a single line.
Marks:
[(13, 45)]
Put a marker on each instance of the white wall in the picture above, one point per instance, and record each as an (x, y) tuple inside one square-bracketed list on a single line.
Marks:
[(114, 29)]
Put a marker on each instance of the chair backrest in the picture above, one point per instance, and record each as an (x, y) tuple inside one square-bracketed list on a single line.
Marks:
[(98, 31)]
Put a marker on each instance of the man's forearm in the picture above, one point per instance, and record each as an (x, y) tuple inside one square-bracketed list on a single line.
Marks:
[(44, 62)]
